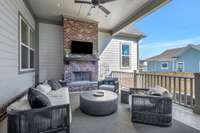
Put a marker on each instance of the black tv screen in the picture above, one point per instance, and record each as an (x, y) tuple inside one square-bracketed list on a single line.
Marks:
[(78, 47)]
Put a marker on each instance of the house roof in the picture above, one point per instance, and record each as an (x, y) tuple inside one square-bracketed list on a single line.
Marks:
[(131, 31), (172, 53)]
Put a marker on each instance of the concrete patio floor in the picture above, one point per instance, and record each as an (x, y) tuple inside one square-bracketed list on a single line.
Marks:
[(181, 114)]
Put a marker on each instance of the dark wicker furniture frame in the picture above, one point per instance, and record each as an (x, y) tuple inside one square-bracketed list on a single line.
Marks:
[(160, 112), (110, 81), (43, 120)]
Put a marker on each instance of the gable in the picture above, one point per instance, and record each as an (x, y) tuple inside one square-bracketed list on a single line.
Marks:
[(188, 49)]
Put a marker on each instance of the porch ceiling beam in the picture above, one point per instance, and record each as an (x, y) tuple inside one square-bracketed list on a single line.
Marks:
[(148, 8)]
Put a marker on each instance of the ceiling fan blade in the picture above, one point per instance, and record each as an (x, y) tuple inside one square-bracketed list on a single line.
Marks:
[(82, 2), (105, 1), (104, 10)]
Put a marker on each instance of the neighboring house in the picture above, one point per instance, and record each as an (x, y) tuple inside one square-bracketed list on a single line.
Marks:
[(185, 59), (142, 66), (121, 52)]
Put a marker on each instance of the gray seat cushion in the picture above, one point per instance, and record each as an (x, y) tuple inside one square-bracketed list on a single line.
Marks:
[(59, 97), (107, 87), (20, 105)]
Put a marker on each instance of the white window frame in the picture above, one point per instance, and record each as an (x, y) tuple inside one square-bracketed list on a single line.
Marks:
[(164, 68), (121, 62), (27, 46), (177, 66)]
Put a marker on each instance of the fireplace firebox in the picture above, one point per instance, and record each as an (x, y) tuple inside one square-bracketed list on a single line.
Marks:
[(82, 76)]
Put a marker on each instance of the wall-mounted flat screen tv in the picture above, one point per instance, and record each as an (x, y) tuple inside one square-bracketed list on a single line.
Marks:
[(79, 47)]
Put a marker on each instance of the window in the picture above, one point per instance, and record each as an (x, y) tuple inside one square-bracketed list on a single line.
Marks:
[(125, 55), (27, 46), (180, 66), (164, 65)]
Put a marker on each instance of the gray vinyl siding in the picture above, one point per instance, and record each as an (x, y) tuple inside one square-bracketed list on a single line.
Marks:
[(111, 54), (50, 51), (155, 66), (11, 82), (103, 41), (191, 59)]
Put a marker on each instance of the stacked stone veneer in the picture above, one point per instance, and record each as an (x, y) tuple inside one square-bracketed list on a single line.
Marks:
[(81, 66), (80, 31)]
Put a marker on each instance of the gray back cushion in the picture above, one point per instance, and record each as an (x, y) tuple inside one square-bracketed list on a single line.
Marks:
[(54, 84)]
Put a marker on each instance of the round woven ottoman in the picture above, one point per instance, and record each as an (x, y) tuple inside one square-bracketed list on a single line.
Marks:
[(99, 102)]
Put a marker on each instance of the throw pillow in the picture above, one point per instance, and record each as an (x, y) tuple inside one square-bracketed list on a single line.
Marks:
[(37, 99), (159, 91), (54, 84)]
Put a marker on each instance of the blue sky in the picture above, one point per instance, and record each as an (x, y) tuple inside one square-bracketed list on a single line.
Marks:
[(174, 25)]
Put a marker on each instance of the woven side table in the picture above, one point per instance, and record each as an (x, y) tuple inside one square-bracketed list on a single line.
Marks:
[(124, 95)]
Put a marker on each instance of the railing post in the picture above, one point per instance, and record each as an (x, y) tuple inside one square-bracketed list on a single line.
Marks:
[(135, 79), (197, 93)]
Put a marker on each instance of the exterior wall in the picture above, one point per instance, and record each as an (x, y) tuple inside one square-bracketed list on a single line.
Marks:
[(191, 59), (50, 51), (110, 58), (103, 41), (155, 66), (11, 82)]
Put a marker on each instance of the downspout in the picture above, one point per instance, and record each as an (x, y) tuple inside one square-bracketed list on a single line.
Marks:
[(138, 53), (37, 53)]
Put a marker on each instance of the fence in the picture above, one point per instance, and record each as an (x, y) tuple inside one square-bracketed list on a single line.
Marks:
[(181, 85)]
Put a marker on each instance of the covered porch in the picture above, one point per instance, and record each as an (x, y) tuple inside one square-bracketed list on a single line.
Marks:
[(39, 39)]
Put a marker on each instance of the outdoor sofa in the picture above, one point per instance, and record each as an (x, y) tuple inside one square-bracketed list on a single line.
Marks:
[(151, 106), (22, 118)]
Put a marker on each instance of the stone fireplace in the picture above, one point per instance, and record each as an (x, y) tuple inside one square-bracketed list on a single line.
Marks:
[(80, 70), (80, 66)]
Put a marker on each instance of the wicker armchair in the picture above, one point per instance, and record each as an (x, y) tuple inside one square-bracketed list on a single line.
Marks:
[(48, 119), (111, 84), (150, 109)]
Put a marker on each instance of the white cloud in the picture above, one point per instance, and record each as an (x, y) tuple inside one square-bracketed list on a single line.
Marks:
[(171, 44)]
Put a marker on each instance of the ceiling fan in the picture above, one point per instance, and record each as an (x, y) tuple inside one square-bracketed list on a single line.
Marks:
[(96, 3)]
